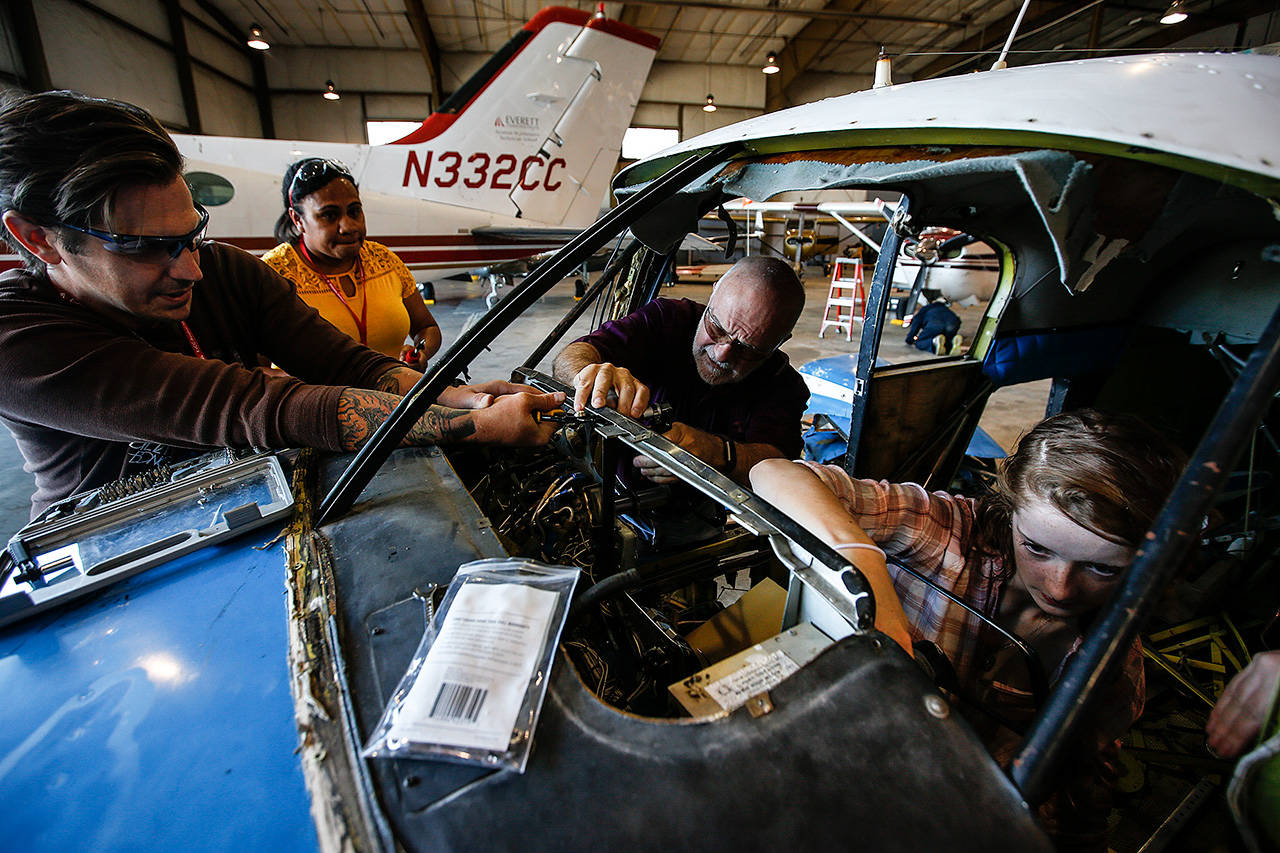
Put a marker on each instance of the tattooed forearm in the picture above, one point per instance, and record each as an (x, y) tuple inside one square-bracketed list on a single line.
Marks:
[(361, 411), (387, 382), (397, 380), (442, 425)]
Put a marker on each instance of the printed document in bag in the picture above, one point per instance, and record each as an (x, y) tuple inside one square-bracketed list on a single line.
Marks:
[(476, 674)]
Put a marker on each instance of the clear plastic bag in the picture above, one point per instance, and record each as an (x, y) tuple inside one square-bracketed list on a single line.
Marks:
[(475, 686)]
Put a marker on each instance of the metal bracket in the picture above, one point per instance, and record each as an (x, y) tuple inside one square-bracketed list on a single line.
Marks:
[(902, 223)]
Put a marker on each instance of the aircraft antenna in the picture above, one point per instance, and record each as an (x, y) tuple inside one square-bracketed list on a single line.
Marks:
[(1000, 63)]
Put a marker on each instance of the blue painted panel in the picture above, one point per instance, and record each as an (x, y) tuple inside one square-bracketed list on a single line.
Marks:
[(842, 370), (839, 369), (156, 715)]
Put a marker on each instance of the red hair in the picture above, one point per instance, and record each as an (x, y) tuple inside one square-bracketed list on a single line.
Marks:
[(1109, 473)]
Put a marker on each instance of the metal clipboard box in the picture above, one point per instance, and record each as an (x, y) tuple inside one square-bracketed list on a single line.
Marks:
[(69, 554)]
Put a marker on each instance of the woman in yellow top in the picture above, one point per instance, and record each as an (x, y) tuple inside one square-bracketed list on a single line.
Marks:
[(356, 284)]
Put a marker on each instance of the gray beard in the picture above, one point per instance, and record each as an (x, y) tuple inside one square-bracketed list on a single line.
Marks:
[(712, 373)]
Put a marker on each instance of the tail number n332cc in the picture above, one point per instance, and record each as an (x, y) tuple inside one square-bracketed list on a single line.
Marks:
[(500, 172)]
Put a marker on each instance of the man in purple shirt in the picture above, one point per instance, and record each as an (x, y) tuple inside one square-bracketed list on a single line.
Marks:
[(737, 399)]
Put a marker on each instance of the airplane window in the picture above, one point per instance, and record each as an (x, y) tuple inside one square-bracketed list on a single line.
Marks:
[(209, 189), (640, 142), (382, 132)]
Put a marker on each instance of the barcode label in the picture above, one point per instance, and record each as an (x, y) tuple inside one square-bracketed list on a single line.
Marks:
[(458, 702), (473, 682)]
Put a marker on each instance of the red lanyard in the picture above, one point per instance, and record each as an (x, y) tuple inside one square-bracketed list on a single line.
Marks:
[(191, 339), (186, 330), (362, 322)]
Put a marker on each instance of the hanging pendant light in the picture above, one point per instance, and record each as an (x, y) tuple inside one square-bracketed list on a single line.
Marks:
[(771, 64), (1175, 14), (257, 38), (710, 105), (330, 93)]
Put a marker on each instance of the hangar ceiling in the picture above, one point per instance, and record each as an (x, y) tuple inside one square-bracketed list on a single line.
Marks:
[(928, 38)]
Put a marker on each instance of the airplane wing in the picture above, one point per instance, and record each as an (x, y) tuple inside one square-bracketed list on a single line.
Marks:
[(691, 242), (528, 235)]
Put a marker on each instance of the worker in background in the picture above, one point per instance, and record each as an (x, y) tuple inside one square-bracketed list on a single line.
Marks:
[(936, 328), (129, 340), (736, 398)]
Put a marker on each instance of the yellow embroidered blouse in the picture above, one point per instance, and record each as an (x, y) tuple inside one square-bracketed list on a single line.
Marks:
[(384, 281)]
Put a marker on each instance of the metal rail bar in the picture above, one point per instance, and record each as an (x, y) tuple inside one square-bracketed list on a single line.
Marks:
[(1167, 544), (753, 513), (388, 436)]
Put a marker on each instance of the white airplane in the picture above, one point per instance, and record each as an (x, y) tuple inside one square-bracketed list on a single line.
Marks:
[(957, 266), (515, 163), (965, 271)]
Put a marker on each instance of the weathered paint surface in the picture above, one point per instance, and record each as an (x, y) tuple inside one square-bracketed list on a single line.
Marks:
[(157, 716)]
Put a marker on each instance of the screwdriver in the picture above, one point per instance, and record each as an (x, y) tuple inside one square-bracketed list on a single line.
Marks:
[(559, 416)]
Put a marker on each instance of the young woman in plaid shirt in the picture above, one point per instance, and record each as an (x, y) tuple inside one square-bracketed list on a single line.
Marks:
[(1039, 557)]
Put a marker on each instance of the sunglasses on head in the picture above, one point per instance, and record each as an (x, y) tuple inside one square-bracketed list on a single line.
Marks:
[(720, 335), (147, 248), (317, 168)]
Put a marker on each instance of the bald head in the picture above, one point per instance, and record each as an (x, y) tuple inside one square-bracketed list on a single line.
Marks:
[(752, 310), (766, 284)]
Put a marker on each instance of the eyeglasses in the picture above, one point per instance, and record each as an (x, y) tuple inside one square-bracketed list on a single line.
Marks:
[(148, 249), (720, 335), (317, 168)]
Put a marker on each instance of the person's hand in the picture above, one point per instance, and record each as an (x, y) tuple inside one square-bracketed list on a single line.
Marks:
[(1241, 710), (482, 395), (498, 387), (594, 382), (410, 356), (512, 419), (707, 447)]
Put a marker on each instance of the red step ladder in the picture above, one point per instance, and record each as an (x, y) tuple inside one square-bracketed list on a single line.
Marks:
[(847, 299)]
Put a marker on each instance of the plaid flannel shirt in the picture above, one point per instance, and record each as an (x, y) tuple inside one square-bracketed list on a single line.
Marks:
[(932, 532)]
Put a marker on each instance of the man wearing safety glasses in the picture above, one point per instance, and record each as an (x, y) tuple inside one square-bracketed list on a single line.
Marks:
[(736, 398), (129, 341)]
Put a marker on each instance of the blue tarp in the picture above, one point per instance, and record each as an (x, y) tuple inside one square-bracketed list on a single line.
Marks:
[(826, 445)]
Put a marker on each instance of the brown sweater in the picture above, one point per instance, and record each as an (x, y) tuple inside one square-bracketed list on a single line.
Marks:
[(77, 389)]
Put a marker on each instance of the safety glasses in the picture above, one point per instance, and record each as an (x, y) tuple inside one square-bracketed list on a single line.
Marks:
[(720, 335), (149, 249), (317, 168)]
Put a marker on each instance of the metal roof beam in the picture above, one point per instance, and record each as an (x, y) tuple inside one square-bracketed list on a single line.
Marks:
[(182, 59), (417, 15), (35, 70), (827, 13), (1231, 12), (992, 37), (801, 50), (1234, 11), (257, 66)]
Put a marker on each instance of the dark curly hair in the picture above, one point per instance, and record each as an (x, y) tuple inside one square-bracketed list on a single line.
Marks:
[(64, 157), (1109, 473)]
